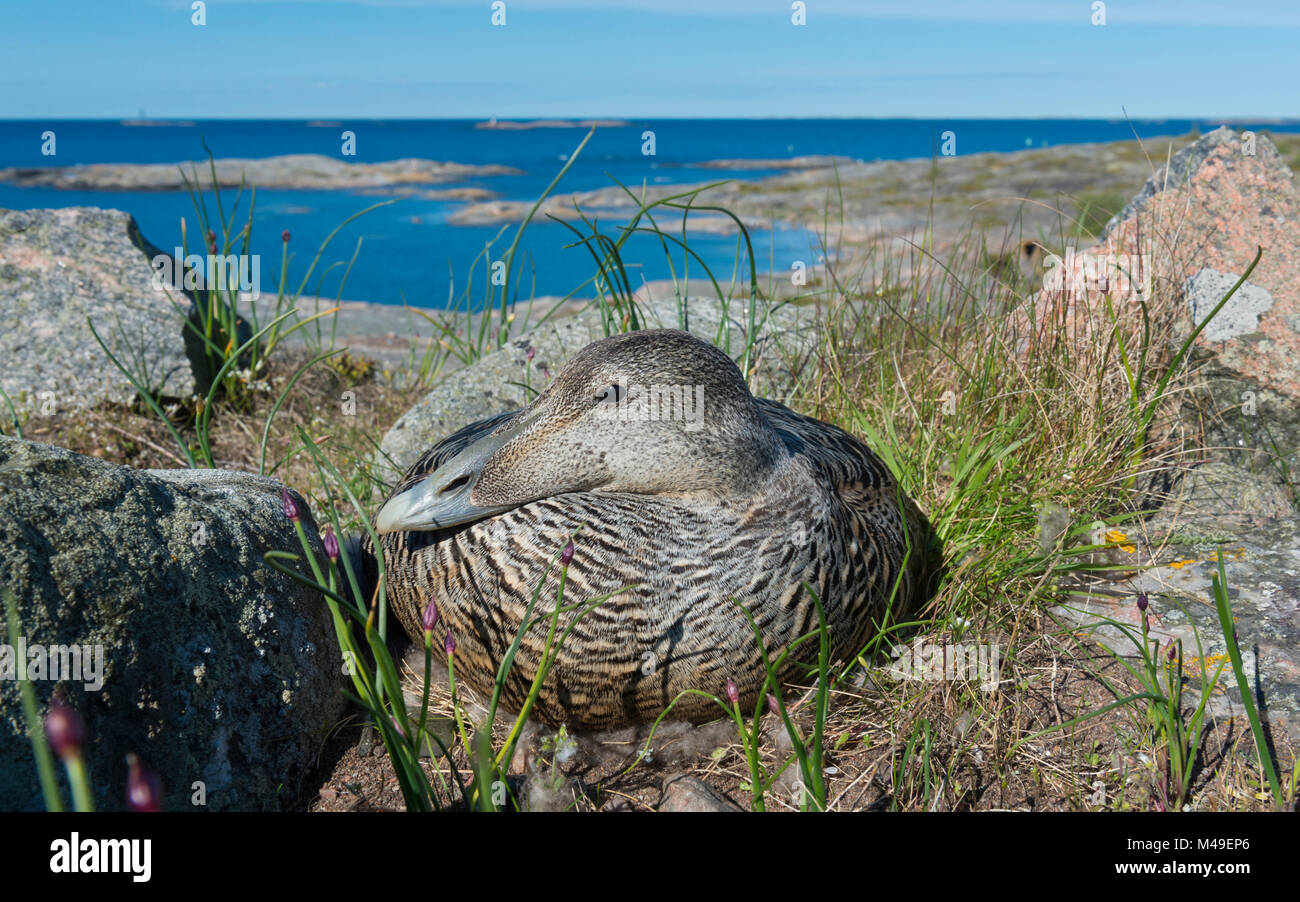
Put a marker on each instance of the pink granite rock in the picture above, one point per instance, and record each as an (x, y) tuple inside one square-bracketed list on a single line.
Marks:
[(1185, 239)]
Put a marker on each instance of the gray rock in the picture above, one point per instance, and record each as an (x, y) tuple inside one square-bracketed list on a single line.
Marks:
[(1250, 519), (215, 667), (1219, 499), (507, 379), (57, 269), (1240, 316), (682, 792)]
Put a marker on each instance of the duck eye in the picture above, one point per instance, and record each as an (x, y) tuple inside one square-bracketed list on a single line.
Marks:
[(609, 393)]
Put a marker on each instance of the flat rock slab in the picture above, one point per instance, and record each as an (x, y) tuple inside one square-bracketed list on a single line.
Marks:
[(1249, 521), (509, 378), (61, 268), (216, 669)]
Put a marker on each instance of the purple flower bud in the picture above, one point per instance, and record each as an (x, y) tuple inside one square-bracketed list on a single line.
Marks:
[(143, 788), (64, 729), (212, 237), (284, 236), (772, 704), (331, 543), (1173, 651), (290, 508), (450, 644), (532, 352), (1142, 601), (430, 618), (567, 554), (733, 692)]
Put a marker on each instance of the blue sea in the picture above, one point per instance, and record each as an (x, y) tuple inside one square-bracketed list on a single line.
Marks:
[(409, 251)]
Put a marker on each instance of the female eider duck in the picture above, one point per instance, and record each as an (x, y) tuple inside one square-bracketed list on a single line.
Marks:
[(682, 487)]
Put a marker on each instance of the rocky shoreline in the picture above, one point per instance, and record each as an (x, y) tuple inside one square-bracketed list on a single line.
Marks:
[(1037, 187), (302, 171)]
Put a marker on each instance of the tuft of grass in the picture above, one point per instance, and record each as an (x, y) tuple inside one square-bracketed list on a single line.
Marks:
[(1223, 605), (234, 353)]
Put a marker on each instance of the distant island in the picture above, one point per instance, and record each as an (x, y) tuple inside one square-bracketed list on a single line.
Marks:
[(155, 123), (519, 125), (303, 171)]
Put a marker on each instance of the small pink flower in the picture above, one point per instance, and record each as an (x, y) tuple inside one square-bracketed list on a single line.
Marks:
[(284, 236), (567, 554), (290, 508), (143, 788), (733, 692), (64, 728)]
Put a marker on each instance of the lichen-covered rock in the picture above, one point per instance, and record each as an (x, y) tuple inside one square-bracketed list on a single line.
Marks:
[(60, 268), (1250, 520), (1190, 234), (216, 669), (1218, 501), (509, 378)]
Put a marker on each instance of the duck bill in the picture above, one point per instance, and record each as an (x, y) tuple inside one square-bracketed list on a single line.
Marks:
[(442, 498)]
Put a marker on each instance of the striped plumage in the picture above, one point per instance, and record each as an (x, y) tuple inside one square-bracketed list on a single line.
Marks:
[(749, 502)]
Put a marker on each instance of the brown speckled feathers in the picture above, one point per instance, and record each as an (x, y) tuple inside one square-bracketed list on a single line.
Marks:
[(815, 507)]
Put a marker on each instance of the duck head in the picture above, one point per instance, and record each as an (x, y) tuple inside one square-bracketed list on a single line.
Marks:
[(654, 412)]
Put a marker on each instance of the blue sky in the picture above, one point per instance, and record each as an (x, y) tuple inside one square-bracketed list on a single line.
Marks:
[(649, 58)]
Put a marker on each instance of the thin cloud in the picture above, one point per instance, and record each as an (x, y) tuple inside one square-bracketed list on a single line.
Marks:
[(1172, 13)]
